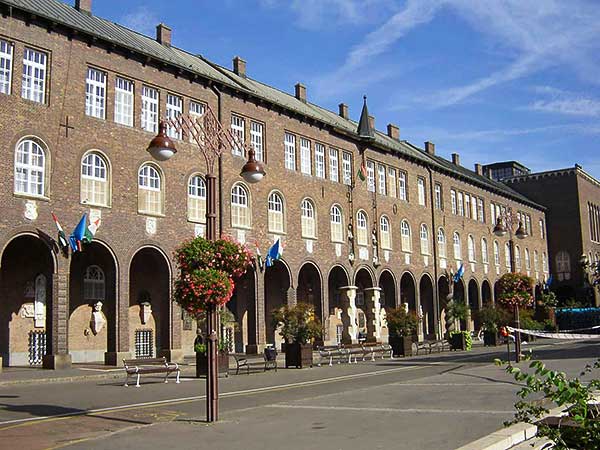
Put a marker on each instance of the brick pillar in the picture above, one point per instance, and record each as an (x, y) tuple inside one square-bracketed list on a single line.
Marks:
[(325, 312), (115, 357), (420, 329), (59, 357), (349, 319), (291, 296), (260, 318), (175, 353)]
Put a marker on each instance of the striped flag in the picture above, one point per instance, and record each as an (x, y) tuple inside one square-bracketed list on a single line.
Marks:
[(90, 231), (362, 172), (62, 237), (78, 234)]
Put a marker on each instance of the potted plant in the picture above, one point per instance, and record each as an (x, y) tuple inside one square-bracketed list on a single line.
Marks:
[(461, 340), (402, 327), (298, 327), (491, 319), (202, 360)]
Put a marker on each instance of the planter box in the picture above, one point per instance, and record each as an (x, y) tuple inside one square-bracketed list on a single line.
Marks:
[(202, 364), (401, 345), (491, 339), (458, 342), (298, 355)]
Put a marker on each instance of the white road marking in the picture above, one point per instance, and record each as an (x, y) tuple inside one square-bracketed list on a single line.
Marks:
[(490, 384), (388, 410)]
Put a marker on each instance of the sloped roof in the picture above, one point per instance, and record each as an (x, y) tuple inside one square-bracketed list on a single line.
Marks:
[(105, 30)]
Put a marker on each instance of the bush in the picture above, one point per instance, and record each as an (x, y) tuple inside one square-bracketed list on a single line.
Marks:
[(468, 338), (528, 322), (515, 289), (298, 323), (492, 318), (401, 323)]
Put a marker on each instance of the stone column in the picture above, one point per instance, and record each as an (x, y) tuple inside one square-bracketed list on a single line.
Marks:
[(260, 318), (373, 313), (115, 357), (59, 358), (349, 319), (175, 353), (292, 298)]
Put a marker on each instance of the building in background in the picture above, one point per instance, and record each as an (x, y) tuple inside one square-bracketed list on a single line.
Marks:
[(501, 170)]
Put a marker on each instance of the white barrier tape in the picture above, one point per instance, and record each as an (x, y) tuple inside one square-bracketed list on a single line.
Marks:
[(549, 335)]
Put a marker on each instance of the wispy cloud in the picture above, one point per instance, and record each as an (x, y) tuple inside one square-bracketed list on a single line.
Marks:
[(142, 20), (560, 101)]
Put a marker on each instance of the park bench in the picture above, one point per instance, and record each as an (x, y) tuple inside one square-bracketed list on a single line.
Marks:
[(355, 350), (330, 352), (137, 367), (429, 345), (379, 349), (268, 361)]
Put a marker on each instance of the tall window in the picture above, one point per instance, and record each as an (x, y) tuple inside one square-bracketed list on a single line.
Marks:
[(124, 101), (238, 129), (95, 93), (276, 212), (305, 157), (484, 251), (30, 168), (240, 207), (347, 167), (93, 284), (456, 243), (149, 190), (563, 265), (467, 206), (438, 196), (461, 208), (402, 186), (392, 188), (94, 180), (527, 260), (337, 224), (517, 257), (361, 228), (471, 248), (309, 224), (441, 240), (290, 151), (196, 112), (384, 233), (453, 200), (196, 199), (381, 179), (334, 163), (473, 207), (149, 109), (174, 110), (257, 141), (370, 176), (492, 213), (536, 266), (319, 160), (6, 58), (544, 262), (424, 235), (496, 253), (480, 211), (34, 75), (541, 225), (405, 234), (507, 255), (421, 190)]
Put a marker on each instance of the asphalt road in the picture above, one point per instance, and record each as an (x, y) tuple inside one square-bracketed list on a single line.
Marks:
[(433, 402)]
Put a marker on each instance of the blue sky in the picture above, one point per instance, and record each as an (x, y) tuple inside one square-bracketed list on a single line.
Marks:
[(492, 80)]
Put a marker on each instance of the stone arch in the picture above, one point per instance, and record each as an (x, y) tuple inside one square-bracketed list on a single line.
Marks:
[(364, 282), (443, 287), (243, 307), (486, 293), (277, 284), (460, 296), (474, 301), (426, 300), (387, 283), (362, 270), (27, 268), (310, 287), (336, 326), (408, 291)]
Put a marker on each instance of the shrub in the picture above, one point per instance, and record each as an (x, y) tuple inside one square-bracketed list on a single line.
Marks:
[(492, 318), (401, 323), (298, 323), (515, 289), (468, 338)]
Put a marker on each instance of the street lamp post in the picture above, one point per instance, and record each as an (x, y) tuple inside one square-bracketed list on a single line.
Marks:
[(206, 132), (504, 224)]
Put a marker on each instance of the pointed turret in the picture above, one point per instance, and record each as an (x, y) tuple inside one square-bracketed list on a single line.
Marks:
[(365, 130)]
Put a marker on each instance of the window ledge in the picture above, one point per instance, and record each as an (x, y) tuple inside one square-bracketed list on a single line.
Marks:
[(198, 222), (239, 227), (41, 198), (149, 214), (278, 233), (312, 238), (95, 205)]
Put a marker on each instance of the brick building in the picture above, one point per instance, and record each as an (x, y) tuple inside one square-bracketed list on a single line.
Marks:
[(80, 99), (572, 199)]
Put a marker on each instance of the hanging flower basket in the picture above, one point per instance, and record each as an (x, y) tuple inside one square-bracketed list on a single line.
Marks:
[(515, 290)]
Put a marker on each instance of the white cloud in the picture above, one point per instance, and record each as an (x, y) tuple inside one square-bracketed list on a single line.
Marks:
[(574, 106), (142, 20)]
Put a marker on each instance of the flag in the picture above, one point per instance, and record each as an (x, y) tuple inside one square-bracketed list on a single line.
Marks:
[(459, 273), (548, 283), (62, 238), (362, 172), (78, 234), (90, 231), (259, 258), (274, 253)]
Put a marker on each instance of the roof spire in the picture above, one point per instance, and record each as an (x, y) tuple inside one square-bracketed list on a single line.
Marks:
[(365, 131)]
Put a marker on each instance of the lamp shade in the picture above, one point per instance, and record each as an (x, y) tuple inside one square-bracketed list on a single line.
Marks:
[(499, 229), (253, 171), (521, 233), (162, 147)]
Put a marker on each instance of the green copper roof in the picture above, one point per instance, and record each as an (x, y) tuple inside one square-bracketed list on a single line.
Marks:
[(66, 15)]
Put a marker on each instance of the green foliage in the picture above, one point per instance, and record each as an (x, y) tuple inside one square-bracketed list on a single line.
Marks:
[(548, 300), (458, 309), (580, 428), (401, 323), (492, 318), (298, 323), (528, 322), (515, 289), (194, 290), (222, 347), (468, 338)]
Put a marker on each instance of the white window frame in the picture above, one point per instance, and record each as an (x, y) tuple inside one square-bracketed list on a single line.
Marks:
[(124, 101), (336, 218), (421, 190), (347, 168), (240, 206), (362, 228), (95, 93), (238, 129), (370, 176), (473, 207), (507, 255), (385, 233), (480, 210), (424, 238), (381, 172), (309, 219), (536, 258), (94, 284), (527, 259), (174, 108), (461, 206), (94, 179), (441, 242), (334, 164), (471, 248), (438, 195), (197, 199), (34, 75), (276, 213), (319, 160), (391, 185), (517, 257), (6, 66), (467, 205), (456, 246), (30, 177), (257, 139), (290, 151), (305, 157), (150, 193), (496, 254), (453, 201), (196, 112), (150, 106), (484, 251), (405, 234)]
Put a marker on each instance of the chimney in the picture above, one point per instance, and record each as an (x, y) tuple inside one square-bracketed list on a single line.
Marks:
[(478, 169), (84, 6), (430, 148), (456, 159), (393, 131), (239, 66), (343, 108), (372, 122), (163, 34), (301, 92)]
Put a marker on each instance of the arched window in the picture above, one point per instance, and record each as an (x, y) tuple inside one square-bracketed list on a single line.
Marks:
[(544, 262), (94, 180), (563, 265), (196, 199), (276, 213), (471, 248), (337, 224), (385, 238), (424, 236), (456, 242), (484, 251), (517, 257), (441, 239), (149, 190), (405, 233), (93, 284), (309, 225), (240, 206), (535, 261), (30, 168), (507, 255), (361, 228), (527, 260), (496, 253)]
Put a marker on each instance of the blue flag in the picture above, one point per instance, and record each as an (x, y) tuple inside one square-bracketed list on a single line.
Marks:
[(458, 275), (273, 254), (548, 282), (78, 234)]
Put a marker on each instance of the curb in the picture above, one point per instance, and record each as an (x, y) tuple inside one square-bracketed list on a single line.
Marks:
[(503, 439)]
